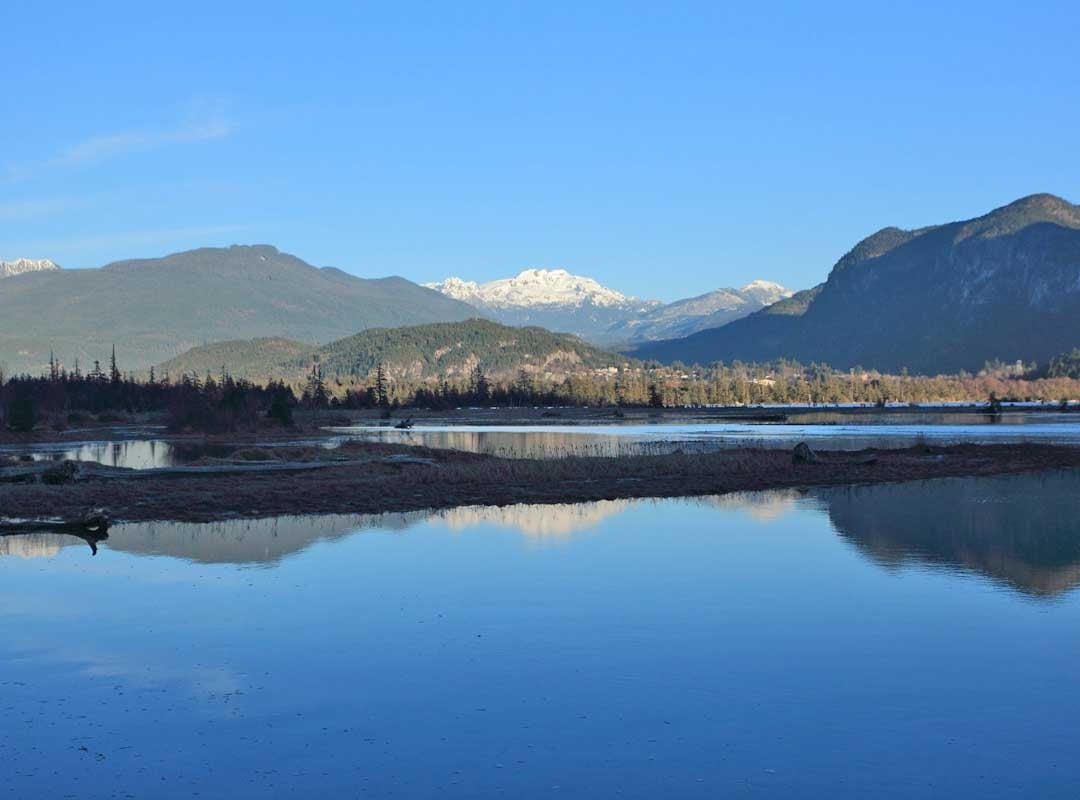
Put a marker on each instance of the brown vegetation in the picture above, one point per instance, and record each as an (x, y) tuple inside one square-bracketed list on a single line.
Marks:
[(372, 481)]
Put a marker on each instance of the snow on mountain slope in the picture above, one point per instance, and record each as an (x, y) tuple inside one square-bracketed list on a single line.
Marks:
[(534, 287), (21, 265), (765, 292), (561, 301)]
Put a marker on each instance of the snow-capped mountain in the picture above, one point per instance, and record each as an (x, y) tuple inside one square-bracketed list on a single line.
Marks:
[(561, 301), (534, 287), (549, 298), (21, 265), (765, 292)]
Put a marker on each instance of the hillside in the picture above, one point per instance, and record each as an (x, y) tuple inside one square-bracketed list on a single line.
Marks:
[(242, 358), (415, 352), (939, 299), (153, 309)]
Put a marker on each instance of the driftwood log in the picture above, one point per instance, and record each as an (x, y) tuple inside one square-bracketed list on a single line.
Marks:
[(92, 527), (804, 454)]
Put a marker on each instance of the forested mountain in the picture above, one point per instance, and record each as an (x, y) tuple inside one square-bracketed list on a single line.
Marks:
[(242, 358), (152, 309), (940, 299), (415, 353), (1065, 365)]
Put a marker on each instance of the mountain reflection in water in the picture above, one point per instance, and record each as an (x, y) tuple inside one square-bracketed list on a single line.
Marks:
[(1016, 529), (266, 541), (1023, 530), (905, 641)]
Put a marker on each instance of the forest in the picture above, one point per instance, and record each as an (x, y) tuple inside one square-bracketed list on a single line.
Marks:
[(60, 398)]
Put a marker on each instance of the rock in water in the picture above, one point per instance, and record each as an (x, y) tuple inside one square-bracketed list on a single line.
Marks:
[(802, 454)]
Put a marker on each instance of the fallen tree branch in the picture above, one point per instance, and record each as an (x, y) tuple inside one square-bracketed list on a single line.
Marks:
[(92, 527), (804, 454)]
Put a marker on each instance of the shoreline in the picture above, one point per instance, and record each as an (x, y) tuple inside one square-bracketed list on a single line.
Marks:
[(152, 425), (375, 480)]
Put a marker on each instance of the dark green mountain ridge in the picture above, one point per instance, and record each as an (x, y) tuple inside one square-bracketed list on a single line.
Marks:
[(152, 309), (415, 352), (943, 298)]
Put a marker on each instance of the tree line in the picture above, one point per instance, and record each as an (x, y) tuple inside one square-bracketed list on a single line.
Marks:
[(223, 403), (61, 398)]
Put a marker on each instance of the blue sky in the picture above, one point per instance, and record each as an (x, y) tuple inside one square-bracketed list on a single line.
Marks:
[(663, 149)]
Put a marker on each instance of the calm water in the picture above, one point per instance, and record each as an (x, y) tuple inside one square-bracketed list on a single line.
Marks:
[(826, 430), (132, 453), (136, 453), (913, 640)]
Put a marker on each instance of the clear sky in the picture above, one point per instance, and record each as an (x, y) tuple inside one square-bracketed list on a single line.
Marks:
[(665, 149)]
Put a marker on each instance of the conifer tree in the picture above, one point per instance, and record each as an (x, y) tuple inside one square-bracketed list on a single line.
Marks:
[(114, 373), (382, 396)]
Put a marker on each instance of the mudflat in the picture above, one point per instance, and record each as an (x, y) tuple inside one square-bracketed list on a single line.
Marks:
[(362, 477)]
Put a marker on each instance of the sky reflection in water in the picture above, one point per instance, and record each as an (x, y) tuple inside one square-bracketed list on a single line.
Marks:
[(826, 429), (914, 640)]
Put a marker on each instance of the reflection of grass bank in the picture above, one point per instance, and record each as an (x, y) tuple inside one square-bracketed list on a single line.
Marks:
[(369, 482)]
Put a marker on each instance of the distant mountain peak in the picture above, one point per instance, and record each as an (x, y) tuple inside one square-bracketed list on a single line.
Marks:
[(532, 288), (560, 300), (762, 285), (1019, 214), (23, 265), (1041, 200), (765, 292)]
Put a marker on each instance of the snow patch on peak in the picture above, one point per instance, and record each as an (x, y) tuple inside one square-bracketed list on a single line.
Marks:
[(761, 284), (22, 265), (765, 292), (532, 288), (458, 289)]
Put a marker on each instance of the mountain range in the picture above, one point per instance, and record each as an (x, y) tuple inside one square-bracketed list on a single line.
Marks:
[(153, 309), (436, 350), (559, 300), (684, 317), (943, 298)]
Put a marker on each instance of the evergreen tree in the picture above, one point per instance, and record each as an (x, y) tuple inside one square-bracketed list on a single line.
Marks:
[(656, 398), (382, 396), (114, 373), (481, 389)]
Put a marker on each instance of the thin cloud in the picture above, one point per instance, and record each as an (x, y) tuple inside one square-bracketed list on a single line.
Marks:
[(100, 148), (116, 145)]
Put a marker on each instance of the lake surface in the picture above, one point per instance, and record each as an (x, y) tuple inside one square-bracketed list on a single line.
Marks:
[(902, 641), (828, 430)]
